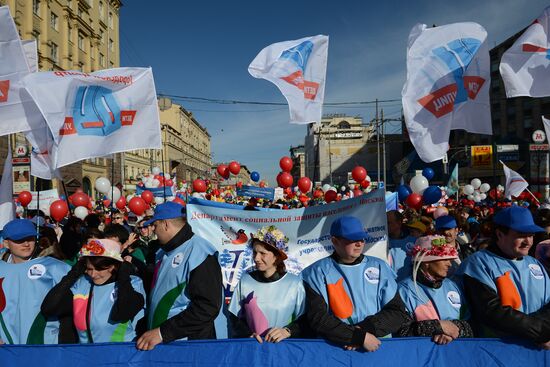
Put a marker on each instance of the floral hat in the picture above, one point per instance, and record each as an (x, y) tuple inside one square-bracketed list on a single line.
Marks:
[(274, 237), (431, 248), (101, 247)]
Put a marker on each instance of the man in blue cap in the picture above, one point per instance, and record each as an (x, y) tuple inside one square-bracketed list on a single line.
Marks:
[(446, 226), (187, 291), (26, 281), (509, 291), (352, 299)]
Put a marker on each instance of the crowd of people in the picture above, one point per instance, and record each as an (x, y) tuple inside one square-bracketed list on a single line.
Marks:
[(464, 271)]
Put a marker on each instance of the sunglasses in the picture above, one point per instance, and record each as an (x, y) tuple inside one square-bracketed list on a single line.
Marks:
[(117, 218)]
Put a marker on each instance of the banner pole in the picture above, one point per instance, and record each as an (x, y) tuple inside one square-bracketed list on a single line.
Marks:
[(534, 197), (67, 197), (112, 186)]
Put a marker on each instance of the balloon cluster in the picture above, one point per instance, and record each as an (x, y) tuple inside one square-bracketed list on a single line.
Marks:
[(476, 190), (284, 178), (419, 192), (156, 179), (226, 170)]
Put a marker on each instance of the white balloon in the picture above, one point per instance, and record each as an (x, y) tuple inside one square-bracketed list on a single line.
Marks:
[(368, 178), (332, 188), (483, 196), (155, 183), (159, 200), (80, 212), (343, 188), (326, 187), (418, 184), (468, 190), (113, 194), (476, 183), (470, 197), (485, 187), (155, 170), (102, 185)]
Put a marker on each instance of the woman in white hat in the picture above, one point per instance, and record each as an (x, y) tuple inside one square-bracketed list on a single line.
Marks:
[(268, 301), (435, 302), (105, 300)]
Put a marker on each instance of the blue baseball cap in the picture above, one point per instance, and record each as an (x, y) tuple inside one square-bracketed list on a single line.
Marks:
[(517, 218), (445, 222), (19, 229), (167, 210), (349, 228)]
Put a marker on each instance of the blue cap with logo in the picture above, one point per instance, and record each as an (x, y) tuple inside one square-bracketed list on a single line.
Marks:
[(517, 218), (445, 222), (169, 210), (349, 228), (19, 229)]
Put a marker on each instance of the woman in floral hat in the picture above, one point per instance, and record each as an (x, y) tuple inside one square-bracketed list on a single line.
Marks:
[(435, 302), (105, 300), (268, 301)]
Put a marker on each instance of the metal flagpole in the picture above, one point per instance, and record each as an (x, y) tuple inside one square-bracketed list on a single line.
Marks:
[(377, 145), (383, 146)]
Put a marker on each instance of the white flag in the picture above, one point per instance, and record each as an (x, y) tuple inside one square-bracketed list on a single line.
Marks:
[(7, 209), (17, 109), (298, 68), (546, 123), (447, 87), (524, 66), (515, 184), (93, 115)]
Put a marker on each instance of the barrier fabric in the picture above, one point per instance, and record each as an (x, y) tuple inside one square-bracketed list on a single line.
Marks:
[(409, 352)]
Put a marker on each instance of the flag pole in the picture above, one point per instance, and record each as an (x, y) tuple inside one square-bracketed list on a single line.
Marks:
[(112, 186), (534, 197), (66, 197)]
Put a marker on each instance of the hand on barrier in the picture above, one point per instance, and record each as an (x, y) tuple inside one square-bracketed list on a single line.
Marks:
[(371, 343), (149, 340), (276, 334), (258, 338), (442, 339), (545, 346), (449, 328)]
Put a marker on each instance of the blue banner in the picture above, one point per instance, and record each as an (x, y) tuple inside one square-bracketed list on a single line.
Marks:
[(256, 192), (158, 192), (410, 352)]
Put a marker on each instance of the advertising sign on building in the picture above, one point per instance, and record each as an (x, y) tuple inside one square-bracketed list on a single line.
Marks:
[(21, 174), (482, 156)]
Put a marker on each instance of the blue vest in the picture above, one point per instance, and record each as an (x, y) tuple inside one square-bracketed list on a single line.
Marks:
[(444, 303), (23, 287), (169, 295), (398, 259), (102, 328), (268, 305), (370, 285), (528, 276)]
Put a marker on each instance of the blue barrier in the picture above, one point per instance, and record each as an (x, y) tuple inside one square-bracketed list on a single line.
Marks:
[(409, 352)]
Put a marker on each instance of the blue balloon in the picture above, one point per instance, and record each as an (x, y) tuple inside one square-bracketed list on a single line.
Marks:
[(428, 173), (431, 195), (254, 176), (403, 191), (63, 197)]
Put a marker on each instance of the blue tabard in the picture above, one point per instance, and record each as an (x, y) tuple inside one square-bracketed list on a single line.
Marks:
[(448, 301), (279, 302), (23, 287), (370, 284), (398, 259), (169, 295), (527, 274), (102, 329)]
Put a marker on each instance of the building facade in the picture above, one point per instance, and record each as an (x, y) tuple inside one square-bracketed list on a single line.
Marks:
[(335, 146), (298, 156)]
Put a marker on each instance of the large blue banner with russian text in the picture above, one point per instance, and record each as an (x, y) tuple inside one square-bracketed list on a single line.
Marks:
[(308, 230)]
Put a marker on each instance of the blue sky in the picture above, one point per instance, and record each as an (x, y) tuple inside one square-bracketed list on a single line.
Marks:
[(203, 49)]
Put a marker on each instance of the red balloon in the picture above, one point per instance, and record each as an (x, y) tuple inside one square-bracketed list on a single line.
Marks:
[(179, 201), (137, 205), (318, 194), (286, 164), (199, 185), (304, 184), (58, 210), (359, 174), (234, 168), (365, 184), (330, 196), (262, 184), (80, 199), (414, 201), (168, 183), (223, 171), (106, 202), (25, 198), (239, 184), (147, 196), (304, 199), (357, 193), (430, 209), (284, 179), (216, 192), (121, 203)]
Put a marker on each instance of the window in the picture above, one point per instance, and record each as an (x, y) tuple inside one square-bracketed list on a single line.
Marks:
[(102, 60), (54, 21), (528, 122), (110, 20), (36, 7), (101, 10), (102, 36), (111, 45), (53, 52), (70, 34), (80, 41), (344, 125)]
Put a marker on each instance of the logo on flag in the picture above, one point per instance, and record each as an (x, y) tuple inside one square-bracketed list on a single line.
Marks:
[(4, 89), (96, 112), (298, 57), (457, 56), (532, 48)]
